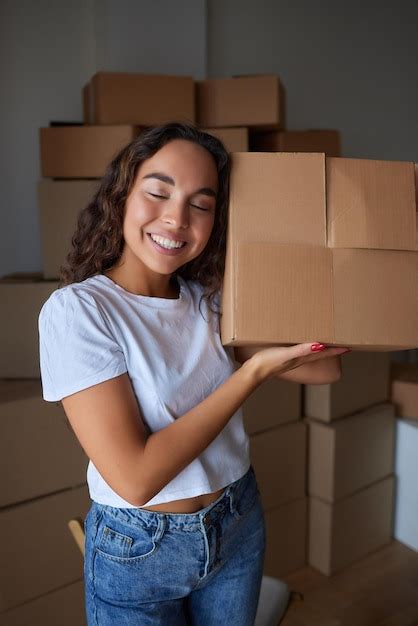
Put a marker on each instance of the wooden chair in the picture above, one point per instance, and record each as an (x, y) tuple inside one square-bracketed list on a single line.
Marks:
[(275, 597)]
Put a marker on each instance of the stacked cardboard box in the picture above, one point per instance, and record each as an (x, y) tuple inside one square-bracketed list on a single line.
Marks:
[(404, 395), (272, 417), (327, 141), (351, 462)]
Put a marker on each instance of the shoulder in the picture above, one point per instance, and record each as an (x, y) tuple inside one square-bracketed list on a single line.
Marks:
[(71, 302)]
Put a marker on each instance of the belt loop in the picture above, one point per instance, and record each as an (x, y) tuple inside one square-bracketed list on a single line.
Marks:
[(162, 522), (230, 494)]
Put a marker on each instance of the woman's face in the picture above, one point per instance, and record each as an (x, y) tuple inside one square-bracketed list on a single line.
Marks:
[(170, 210)]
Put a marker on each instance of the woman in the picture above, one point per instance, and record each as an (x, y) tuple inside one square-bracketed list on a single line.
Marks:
[(130, 345)]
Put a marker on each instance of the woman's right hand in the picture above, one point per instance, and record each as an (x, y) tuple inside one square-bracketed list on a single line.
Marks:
[(269, 362)]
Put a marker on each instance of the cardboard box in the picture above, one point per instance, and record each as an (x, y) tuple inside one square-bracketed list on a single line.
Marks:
[(140, 99), (279, 460), (404, 389), (255, 101), (363, 383), (275, 402), (327, 141), (277, 245), (29, 465), (82, 151), (37, 548), (60, 202), (67, 603), (341, 533), (22, 297), (234, 139), (371, 204), (351, 453), (406, 493), (286, 529)]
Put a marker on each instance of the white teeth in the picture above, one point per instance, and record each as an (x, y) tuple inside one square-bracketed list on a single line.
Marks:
[(167, 243)]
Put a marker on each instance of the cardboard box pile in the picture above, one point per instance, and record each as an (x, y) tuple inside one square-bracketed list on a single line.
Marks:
[(272, 417), (321, 249), (327, 141), (351, 439)]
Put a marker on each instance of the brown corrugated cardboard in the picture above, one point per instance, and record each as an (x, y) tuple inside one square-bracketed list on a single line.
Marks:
[(279, 459), (327, 141), (351, 453), (404, 389), (59, 205), (341, 533), (364, 382), (67, 603), (29, 465), (375, 298), (286, 529), (370, 204), (255, 101), (141, 99), (234, 139), (22, 299), (37, 548), (81, 151), (278, 294), (275, 402)]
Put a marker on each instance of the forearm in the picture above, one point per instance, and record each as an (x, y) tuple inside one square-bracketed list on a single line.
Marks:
[(316, 373), (168, 451)]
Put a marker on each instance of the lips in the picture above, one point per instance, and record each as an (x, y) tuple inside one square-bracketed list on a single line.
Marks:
[(171, 251)]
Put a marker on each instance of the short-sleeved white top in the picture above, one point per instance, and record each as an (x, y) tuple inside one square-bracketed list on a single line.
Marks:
[(95, 330)]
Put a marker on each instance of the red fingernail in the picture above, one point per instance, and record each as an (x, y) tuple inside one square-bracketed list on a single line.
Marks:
[(317, 347)]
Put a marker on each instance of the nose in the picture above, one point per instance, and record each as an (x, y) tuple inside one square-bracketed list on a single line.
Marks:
[(176, 213)]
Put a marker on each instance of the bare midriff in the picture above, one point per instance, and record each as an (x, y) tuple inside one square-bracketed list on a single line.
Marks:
[(186, 505)]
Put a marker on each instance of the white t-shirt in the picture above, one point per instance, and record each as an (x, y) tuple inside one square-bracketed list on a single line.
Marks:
[(95, 330)]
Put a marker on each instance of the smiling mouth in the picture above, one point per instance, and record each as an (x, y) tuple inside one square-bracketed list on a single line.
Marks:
[(167, 244)]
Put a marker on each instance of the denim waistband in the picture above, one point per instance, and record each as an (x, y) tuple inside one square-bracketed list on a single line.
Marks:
[(184, 521)]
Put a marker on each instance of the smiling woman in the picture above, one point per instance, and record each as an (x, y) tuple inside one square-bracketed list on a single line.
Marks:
[(131, 346)]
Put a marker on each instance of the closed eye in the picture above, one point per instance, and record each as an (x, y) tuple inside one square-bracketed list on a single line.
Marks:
[(202, 208), (156, 195)]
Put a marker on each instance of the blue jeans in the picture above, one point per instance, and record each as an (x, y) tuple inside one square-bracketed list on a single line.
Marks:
[(202, 569)]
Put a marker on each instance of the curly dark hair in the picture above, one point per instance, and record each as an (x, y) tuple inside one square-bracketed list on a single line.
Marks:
[(97, 243)]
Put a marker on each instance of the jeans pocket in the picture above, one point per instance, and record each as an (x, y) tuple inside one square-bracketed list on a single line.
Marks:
[(123, 542)]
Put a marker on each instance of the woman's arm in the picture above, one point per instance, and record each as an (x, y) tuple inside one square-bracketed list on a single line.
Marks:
[(315, 373)]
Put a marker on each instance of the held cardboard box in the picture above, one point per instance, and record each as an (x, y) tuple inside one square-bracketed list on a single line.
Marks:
[(37, 551), (275, 402), (60, 202), (140, 99), (67, 603), (82, 151), (279, 460), (255, 101), (327, 141), (406, 492), (364, 382), (341, 533), (278, 267), (404, 389), (22, 297), (351, 453), (286, 530), (29, 465), (234, 139)]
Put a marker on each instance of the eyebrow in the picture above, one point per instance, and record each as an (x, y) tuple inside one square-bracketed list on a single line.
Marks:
[(206, 191)]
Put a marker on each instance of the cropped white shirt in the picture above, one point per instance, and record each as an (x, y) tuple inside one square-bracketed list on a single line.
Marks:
[(95, 330)]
